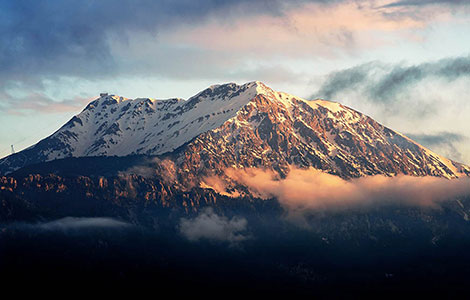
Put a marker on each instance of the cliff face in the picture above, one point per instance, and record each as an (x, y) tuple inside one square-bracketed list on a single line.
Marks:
[(128, 196)]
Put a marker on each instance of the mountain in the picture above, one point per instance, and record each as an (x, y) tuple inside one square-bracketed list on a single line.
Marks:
[(138, 191), (233, 125)]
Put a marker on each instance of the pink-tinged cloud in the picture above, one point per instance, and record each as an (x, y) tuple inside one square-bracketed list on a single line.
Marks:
[(311, 29), (304, 190)]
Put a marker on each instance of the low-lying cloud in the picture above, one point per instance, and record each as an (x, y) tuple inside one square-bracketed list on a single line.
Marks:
[(304, 190), (72, 224), (209, 225)]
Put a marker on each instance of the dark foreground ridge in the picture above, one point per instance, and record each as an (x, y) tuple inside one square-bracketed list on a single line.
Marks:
[(276, 260), (45, 238)]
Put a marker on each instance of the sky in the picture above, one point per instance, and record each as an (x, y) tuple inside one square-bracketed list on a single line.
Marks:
[(404, 63)]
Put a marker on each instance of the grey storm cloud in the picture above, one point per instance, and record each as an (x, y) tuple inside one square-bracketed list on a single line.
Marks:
[(46, 38), (383, 83), (49, 39), (394, 82), (71, 38), (344, 80), (438, 138)]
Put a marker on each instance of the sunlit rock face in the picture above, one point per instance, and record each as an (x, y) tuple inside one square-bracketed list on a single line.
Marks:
[(238, 126), (277, 130)]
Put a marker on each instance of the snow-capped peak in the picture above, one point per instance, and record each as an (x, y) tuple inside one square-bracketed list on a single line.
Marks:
[(316, 133), (114, 125)]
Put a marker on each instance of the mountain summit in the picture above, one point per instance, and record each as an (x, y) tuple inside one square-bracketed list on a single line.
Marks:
[(232, 125)]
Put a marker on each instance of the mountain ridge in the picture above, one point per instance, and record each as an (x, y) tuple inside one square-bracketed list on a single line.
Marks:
[(248, 125)]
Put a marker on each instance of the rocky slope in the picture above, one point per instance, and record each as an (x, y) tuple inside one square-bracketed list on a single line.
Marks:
[(238, 126)]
